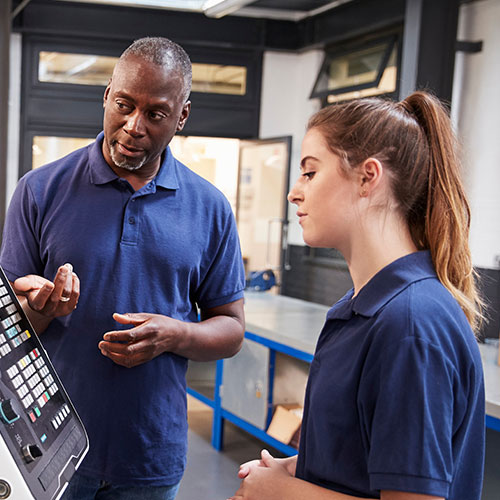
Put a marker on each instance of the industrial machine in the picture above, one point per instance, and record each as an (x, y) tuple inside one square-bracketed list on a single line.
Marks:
[(42, 439)]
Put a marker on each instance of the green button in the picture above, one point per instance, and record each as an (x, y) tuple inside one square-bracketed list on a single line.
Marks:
[(37, 411)]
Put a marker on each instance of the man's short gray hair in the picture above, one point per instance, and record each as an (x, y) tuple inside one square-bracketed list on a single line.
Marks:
[(163, 52)]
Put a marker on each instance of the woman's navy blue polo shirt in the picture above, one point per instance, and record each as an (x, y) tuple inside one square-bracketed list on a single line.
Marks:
[(395, 397)]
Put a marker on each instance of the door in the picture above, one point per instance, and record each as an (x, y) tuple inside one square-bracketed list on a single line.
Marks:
[(261, 212)]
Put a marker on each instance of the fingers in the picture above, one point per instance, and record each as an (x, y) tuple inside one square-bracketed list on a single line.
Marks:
[(130, 335), (247, 467), (131, 318), (30, 282), (267, 459), (244, 471), (63, 283), (51, 299), (115, 353)]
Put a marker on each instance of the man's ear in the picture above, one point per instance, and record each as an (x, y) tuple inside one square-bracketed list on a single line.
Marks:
[(370, 174), (186, 109), (106, 94)]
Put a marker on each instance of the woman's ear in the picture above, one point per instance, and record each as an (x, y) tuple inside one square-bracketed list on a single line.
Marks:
[(370, 174)]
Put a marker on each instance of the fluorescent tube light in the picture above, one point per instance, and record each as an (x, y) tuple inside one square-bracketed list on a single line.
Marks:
[(220, 8)]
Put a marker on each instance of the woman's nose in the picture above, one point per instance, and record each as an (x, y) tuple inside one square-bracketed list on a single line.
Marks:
[(295, 195)]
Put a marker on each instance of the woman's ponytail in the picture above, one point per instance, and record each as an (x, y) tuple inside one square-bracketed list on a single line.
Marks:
[(447, 214)]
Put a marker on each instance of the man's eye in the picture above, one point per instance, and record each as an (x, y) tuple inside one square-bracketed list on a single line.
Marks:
[(121, 105), (309, 175), (156, 116)]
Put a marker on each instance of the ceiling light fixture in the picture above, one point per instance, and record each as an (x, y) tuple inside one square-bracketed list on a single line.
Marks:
[(221, 8)]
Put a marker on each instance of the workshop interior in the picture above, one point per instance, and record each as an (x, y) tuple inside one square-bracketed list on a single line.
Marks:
[(261, 68)]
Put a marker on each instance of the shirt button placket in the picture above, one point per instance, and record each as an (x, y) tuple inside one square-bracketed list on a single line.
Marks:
[(130, 222)]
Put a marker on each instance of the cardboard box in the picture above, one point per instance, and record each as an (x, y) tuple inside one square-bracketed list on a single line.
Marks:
[(285, 423)]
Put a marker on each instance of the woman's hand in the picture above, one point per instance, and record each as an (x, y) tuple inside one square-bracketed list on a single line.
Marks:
[(265, 478)]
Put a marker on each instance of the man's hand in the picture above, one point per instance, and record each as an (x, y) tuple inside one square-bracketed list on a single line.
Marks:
[(47, 298), (151, 335), (218, 335)]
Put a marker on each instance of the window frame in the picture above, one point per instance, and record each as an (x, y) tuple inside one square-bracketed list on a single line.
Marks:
[(393, 41)]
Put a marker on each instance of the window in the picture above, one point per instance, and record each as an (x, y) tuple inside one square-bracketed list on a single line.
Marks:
[(47, 149), (219, 79), (82, 69), (88, 69), (361, 70)]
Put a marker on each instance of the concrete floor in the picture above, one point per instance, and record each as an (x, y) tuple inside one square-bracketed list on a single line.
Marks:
[(212, 475)]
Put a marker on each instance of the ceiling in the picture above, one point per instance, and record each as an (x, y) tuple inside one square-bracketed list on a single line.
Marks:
[(291, 10)]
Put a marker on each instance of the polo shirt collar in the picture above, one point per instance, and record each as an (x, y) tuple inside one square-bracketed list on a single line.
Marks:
[(385, 285), (102, 173)]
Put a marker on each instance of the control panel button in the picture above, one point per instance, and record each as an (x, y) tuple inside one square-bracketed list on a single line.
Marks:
[(5, 489), (31, 452), (8, 411)]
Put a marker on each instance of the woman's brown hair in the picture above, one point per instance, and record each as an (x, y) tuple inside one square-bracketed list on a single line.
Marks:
[(414, 140)]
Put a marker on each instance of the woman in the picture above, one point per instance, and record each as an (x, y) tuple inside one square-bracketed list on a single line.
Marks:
[(394, 405)]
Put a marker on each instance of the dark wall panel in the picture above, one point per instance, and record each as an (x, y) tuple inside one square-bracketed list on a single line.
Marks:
[(323, 281), (110, 22), (315, 280), (489, 285), (45, 112), (352, 19), (238, 122)]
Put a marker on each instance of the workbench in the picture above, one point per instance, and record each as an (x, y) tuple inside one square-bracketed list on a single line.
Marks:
[(286, 327)]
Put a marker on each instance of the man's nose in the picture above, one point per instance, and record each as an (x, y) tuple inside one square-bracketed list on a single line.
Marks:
[(135, 124)]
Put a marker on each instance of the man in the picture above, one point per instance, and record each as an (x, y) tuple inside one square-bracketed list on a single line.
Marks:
[(151, 242)]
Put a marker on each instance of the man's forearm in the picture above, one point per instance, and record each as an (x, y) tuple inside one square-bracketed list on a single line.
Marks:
[(214, 338)]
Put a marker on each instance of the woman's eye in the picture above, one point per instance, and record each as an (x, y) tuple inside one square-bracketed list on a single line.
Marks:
[(309, 175)]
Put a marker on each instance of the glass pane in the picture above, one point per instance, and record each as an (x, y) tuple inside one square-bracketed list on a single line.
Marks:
[(87, 69), (47, 149), (218, 79), (386, 85), (355, 68), (214, 159), (82, 69)]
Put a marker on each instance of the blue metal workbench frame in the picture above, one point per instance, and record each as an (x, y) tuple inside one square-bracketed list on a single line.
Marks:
[(220, 414)]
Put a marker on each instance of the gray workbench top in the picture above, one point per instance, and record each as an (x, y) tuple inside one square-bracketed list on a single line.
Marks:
[(292, 322), (297, 324)]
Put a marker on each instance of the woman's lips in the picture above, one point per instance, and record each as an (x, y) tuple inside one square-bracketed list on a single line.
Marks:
[(301, 216)]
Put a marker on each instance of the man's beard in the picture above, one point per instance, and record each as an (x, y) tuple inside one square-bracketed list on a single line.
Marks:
[(126, 164)]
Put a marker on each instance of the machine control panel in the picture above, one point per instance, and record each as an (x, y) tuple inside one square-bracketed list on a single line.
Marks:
[(42, 439)]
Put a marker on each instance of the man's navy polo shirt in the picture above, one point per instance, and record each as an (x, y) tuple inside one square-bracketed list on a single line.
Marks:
[(395, 397), (164, 249)]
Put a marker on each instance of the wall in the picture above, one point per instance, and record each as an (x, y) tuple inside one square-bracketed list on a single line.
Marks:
[(475, 108), (14, 114), (287, 81)]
